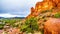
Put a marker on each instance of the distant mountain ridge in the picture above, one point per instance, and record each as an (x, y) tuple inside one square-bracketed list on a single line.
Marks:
[(19, 17), (14, 17), (1, 17)]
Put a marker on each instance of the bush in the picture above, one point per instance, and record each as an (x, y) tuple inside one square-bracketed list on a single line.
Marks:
[(30, 25)]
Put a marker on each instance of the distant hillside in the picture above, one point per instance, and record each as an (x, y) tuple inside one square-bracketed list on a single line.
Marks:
[(1, 17), (13, 18), (20, 17)]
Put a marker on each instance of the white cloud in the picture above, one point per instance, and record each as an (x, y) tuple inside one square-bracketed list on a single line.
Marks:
[(17, 6), (8, 15)]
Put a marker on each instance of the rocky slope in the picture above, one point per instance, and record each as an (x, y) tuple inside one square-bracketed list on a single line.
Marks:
[(45, 10)]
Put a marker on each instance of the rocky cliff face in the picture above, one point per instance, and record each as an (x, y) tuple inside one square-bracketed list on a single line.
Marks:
[(45, 10), (44, 5)]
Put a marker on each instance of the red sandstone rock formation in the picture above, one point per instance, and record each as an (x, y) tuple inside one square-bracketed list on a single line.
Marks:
[(52, 26), (41, 6)]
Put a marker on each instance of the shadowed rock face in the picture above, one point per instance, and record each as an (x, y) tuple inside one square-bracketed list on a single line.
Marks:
[(52, 26), (54, 1)]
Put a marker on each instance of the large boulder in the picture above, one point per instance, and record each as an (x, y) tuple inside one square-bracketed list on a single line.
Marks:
[(52, 26)]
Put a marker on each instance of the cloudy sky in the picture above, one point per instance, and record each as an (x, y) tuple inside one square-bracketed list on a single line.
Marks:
[(16, 8)]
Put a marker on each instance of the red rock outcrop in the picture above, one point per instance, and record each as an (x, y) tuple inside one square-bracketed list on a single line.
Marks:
[(41, 6), (52, 26)]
